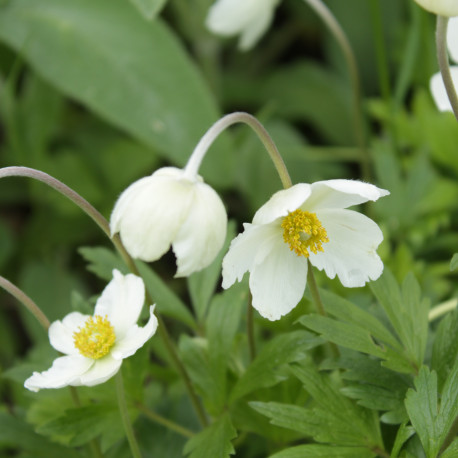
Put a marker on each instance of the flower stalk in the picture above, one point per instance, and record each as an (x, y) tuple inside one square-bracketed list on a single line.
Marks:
[(442, 57)]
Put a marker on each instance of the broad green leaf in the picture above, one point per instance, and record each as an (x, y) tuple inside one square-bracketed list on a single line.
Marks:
[(202, 284), (431, 423), (149, 8), (270, 365), (404, 433), (214, 441), (454, 262), (102, 261), (345, 334), (16, 433), (324, 451), (131, 72), (451, 451)]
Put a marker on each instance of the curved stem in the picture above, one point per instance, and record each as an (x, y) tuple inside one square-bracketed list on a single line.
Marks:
[(164, 421), (334, 27), (210, 136), (103, 224), (26, 301), (134, 448), (442, 309), (442, 57)]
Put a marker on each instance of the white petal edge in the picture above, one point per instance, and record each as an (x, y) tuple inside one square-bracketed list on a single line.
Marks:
[(341, 194), (440, 7), (283, 202), (277, 284), (202, 234), (452, 38), (251, 34), (135, 338), (437, 88), (61, 332), (63, 372), (351, 251), (122, 301), (245, 249), (102, 370)]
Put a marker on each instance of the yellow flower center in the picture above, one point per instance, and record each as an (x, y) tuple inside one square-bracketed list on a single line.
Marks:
[(303, 231), (96, 338)]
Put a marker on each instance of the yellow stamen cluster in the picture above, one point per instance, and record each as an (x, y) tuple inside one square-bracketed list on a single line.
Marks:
[(96, 338), (303, 231)]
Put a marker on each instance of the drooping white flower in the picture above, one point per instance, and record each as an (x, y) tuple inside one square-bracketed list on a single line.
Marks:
[(247, 18), (441, 7), (94, 346), (436, 83), (300, 223), (171, 208)]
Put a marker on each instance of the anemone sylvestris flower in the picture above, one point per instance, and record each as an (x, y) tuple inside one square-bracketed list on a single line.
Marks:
[(437, 84), (94, 346), (171, 208), (305, 222), (441, 7), (247, 18)]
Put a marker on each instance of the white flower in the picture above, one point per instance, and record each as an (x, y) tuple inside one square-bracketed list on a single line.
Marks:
[(169, 208), (440, 7), (305, 222), (436, 83), (94, 346), (247, 18)]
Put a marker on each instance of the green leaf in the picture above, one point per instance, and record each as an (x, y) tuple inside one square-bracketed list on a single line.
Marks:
[(324, 451), (202, 284), (149, 8), (271, 364), (451, 451), (431, 423), (131, 72), (454, 262), (214, 441), (404, 433), (102, 261)]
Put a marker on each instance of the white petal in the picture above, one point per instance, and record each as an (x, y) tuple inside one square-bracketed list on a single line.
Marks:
[(122, 301), (436, 85), (351, 250), (63, 372), (452, 38), (61, 332), (135, 338), (440, 7), (102, 369), (254, 31), (247, 248), (202, 233), (277, 284), (282, 202), (149, 213), (341, 194)]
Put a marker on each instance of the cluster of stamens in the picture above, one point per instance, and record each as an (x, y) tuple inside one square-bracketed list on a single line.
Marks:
[(96, 338), (303, 231)]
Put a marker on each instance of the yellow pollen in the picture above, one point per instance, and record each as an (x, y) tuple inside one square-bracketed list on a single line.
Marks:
[(303, 231), (96, 338)]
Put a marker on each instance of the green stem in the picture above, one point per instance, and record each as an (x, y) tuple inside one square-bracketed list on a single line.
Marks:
[(164, 421), (103, 224), (250, 331), (210, 136), (134, 448), (442, 309), (318, 302), (334, 27), (442, 57), (26, 301)]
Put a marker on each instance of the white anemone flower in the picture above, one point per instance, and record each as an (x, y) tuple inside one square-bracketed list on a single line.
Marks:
[(305, 222), (441, 7), (247, 18), (94, 346), (171, 208), (436, 83)]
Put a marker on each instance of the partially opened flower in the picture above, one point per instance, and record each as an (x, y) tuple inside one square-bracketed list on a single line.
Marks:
[(440, 7), (94, 346), (171, 208), (305, 222), (247, 18), (436, 83)]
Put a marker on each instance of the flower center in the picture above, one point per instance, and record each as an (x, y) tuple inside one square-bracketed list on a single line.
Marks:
[(303, 231), (96, 338)]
